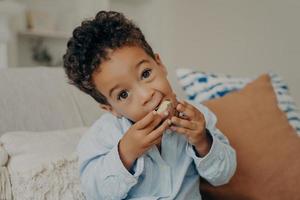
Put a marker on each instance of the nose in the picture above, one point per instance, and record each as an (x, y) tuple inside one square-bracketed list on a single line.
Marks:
[(145, 95)]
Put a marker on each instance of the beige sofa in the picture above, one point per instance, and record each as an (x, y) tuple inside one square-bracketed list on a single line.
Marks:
[(37, 101)]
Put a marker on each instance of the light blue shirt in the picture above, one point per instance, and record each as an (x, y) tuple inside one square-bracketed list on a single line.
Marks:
[(171, 174)]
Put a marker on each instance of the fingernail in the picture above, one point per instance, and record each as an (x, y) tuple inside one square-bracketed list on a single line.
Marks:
[(181, 114), (169, 122), (166, 113)]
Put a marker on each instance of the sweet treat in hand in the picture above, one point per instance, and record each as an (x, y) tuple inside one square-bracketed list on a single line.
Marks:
[(164, 106)]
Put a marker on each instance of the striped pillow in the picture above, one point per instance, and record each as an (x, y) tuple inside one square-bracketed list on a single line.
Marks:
[(200, 86)]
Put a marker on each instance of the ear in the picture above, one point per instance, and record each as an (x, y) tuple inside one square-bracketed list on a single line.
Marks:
[(159, 63), (110, 109)]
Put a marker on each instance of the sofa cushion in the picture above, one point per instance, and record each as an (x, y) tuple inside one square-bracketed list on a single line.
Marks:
[(40, 99), (29, 149), (44, 165), (200, 86), (267, 147)]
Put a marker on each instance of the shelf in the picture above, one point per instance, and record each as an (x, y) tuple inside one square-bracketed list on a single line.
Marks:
[(45, 34)]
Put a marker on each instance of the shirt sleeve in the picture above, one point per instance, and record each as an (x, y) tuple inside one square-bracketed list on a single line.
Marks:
[(219, 165), (102, 173)]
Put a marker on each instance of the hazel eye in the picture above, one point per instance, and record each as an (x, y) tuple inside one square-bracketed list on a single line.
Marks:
[(146, 73), (122, 95)]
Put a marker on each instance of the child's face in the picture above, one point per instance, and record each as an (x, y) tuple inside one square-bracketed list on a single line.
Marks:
[(133, 83)]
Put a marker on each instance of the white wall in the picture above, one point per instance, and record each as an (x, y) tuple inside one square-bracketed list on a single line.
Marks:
[(239, 37)]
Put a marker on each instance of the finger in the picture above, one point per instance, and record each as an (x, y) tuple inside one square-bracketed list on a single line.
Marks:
[(181, 130), (182, 115), (186, 104), (184, 123), (158, 119), (181, 101), (158, 131), (146, 120), (185, 112), (157, 141), (156, 122)]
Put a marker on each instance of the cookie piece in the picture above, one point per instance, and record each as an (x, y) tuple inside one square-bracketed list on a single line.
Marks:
[(164, 106)]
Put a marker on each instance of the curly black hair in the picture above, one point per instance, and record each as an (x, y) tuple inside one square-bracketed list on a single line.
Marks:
[(90, 44)]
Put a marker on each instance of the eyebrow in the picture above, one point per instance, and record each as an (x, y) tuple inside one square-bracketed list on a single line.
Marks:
[(136, 66), (141, 62), (112, 89)]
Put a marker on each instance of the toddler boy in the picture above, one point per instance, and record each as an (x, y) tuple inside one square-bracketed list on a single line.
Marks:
[(133, 151)]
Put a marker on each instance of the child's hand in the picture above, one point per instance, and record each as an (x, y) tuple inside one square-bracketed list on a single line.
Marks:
[(142, 136), (191, 123)]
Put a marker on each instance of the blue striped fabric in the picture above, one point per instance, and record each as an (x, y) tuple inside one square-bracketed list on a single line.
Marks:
[(200, 86)]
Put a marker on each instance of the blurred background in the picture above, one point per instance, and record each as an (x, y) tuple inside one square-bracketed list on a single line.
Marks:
[(236, 37)]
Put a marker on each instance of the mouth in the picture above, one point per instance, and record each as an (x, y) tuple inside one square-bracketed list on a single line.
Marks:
[(156, 108), (167, 105), (164, 105)]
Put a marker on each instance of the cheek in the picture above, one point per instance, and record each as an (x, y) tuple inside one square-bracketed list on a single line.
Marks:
[(131, 111), (161, 83), (167, 89)]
